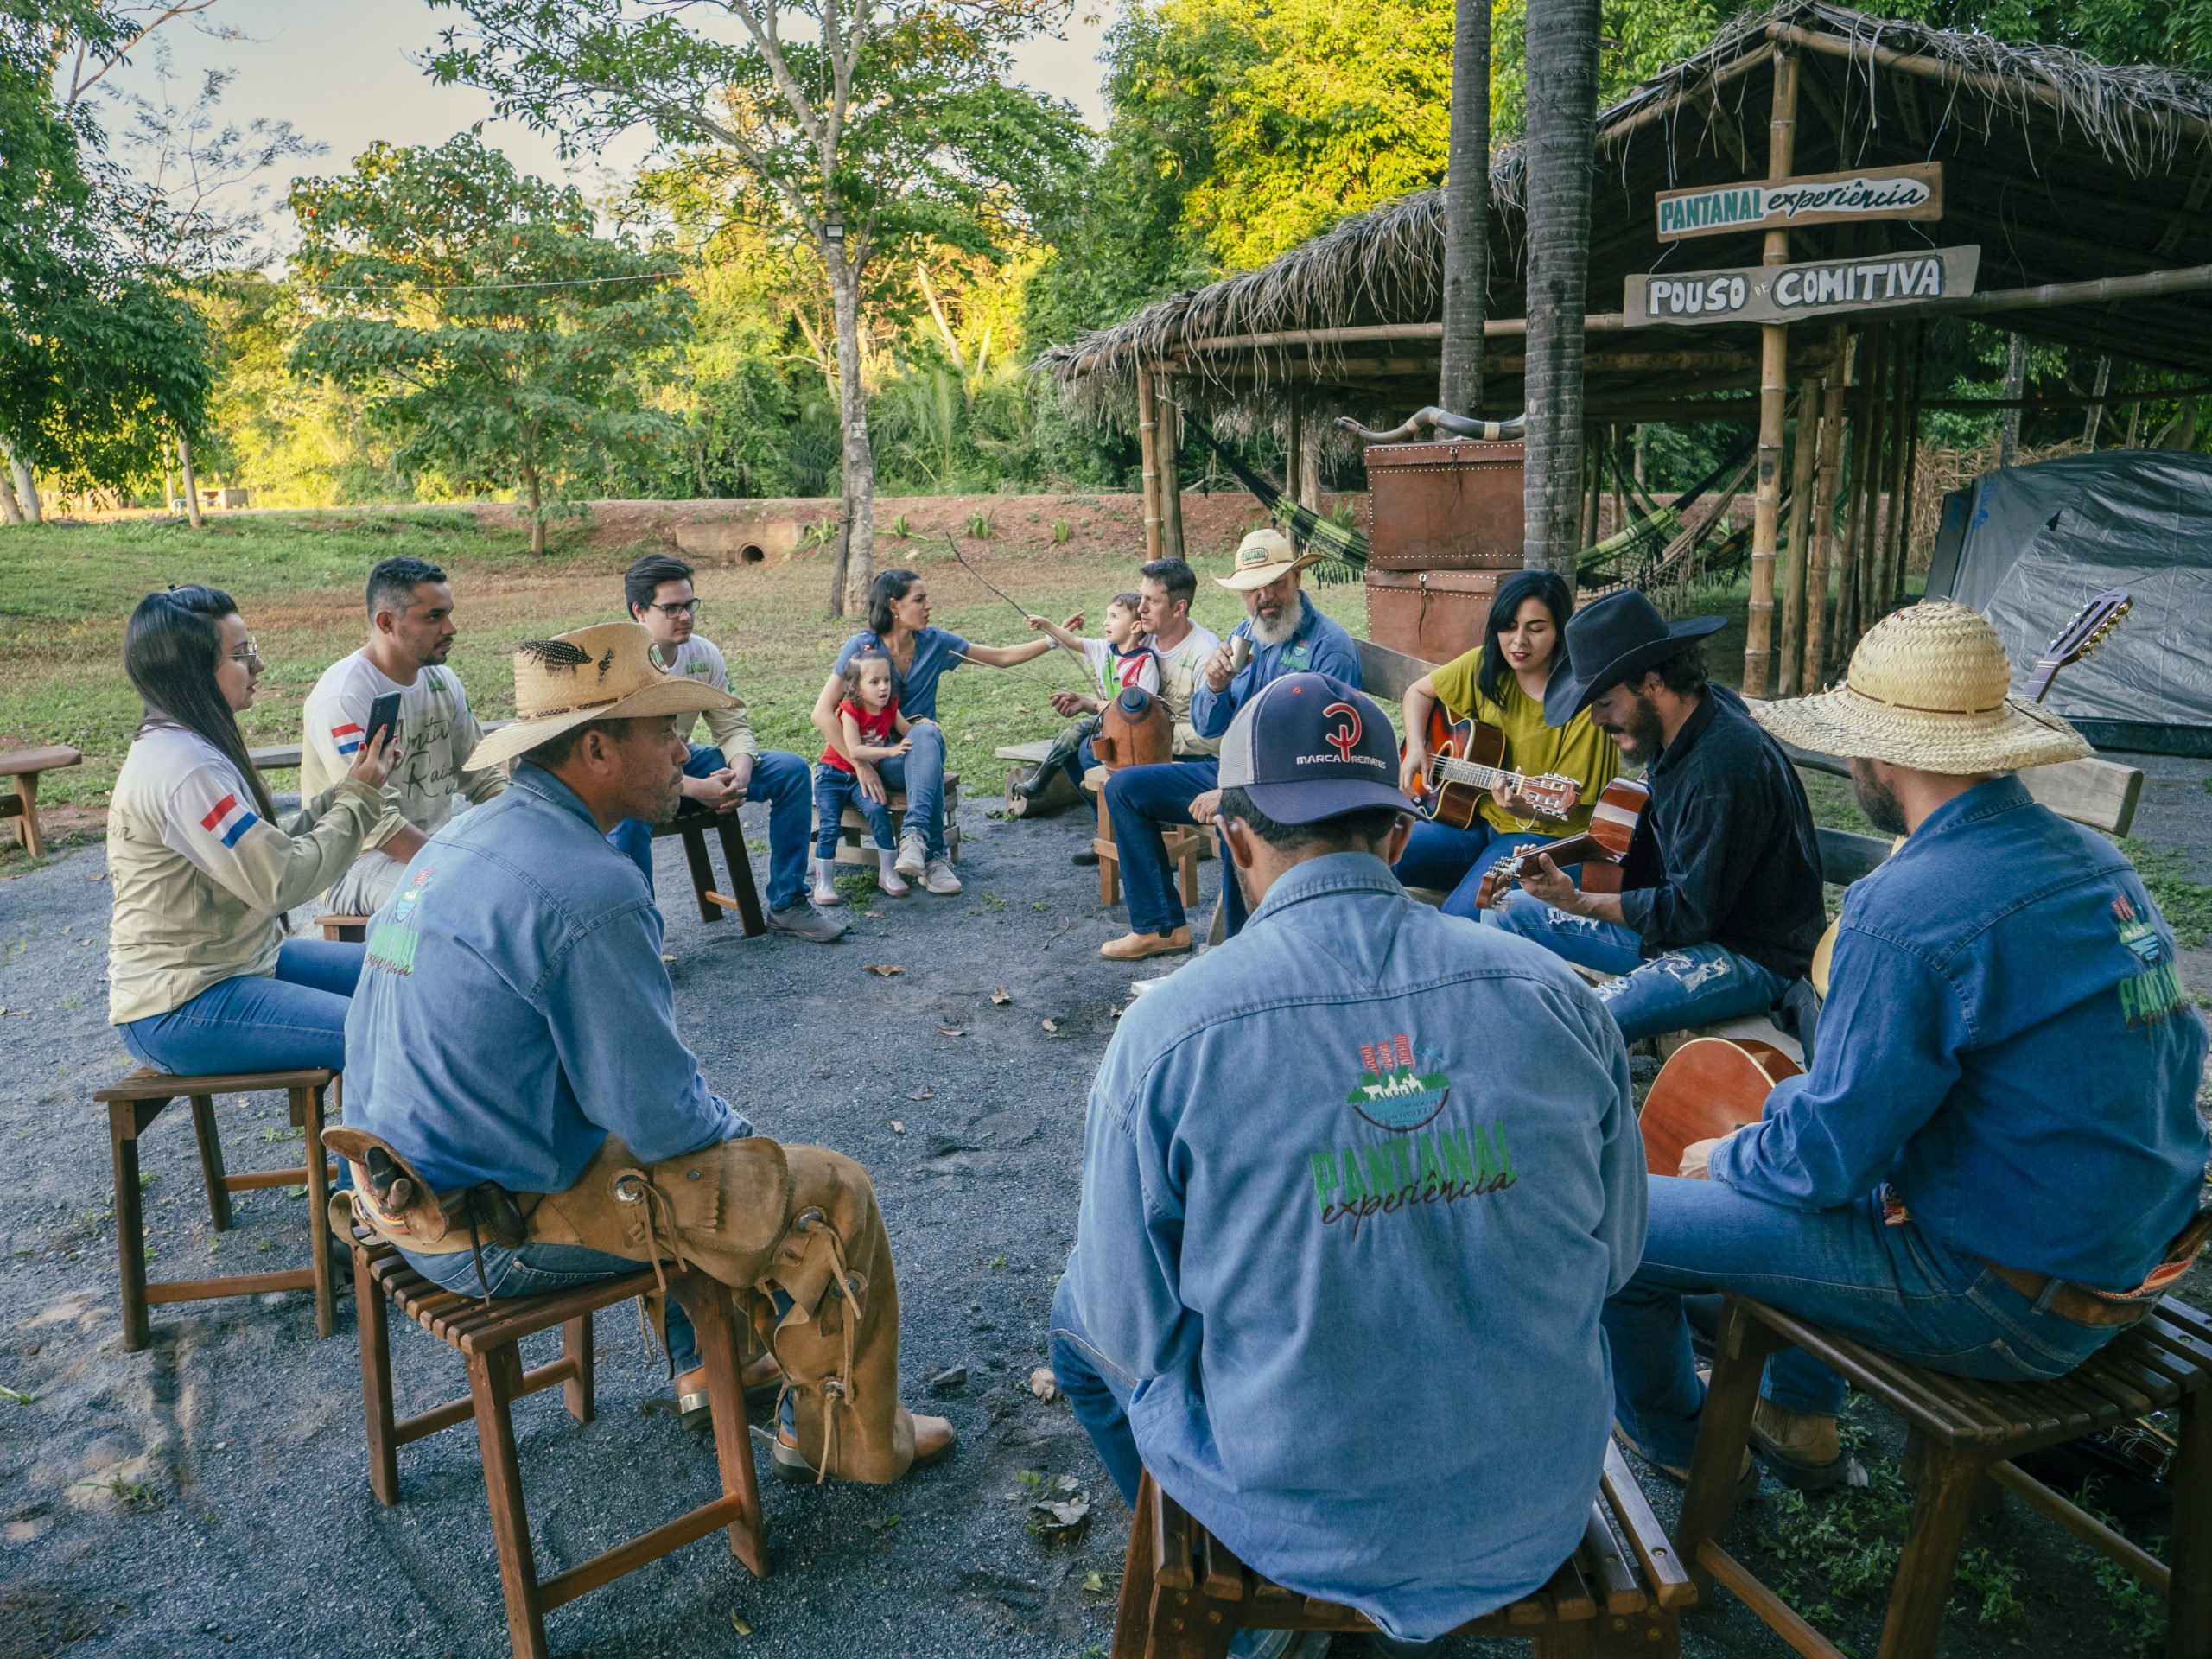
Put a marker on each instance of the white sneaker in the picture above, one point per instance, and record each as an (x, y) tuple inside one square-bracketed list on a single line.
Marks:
[(938, 876), (913, 855)]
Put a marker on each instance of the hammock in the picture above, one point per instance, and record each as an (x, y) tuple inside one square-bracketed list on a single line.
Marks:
[(1342, 550)]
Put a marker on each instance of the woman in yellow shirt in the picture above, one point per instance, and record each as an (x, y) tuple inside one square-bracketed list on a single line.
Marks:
[(1502, 685)]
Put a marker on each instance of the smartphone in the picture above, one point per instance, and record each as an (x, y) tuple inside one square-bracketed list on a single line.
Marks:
[(384, 717)]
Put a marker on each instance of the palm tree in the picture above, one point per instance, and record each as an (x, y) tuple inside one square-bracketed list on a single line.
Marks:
[(1466, 211), (1562, 68)]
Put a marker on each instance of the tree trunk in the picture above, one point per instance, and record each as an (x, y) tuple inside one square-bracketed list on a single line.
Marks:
[(1466, 211), (2016, 380), (1562, 74), (859, 533), (535, 493), (1309, 457), (191, 482), (10, 512)]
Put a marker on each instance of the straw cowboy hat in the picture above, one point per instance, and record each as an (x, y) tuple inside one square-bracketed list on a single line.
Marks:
[(1928, 688), (1262, 558), (601, 673)]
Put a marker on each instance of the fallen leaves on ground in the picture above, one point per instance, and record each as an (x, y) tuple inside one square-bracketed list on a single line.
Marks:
[(1061, 1517), (1001, 997), (1042, 1385), (897, 1128), (951, 1031), (923, 1094), (739, 1624), (1050, 1025), (885, 969)]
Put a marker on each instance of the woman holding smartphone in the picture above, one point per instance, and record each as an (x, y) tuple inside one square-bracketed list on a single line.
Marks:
[(201, 978)]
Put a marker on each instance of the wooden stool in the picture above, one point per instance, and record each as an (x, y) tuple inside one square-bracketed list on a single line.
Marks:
[(485, 1334), (693, 827), (1622, 1592), (1185, 844), (25, 765), (855, 847), (136, 1102), (1960, 1430), (343, 930)]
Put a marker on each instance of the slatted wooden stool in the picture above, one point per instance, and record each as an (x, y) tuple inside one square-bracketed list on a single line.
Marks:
[(1186, 845), (855, 841), (745, 898), (1961, 1432), (487, 1336), (1622, 1592), (343, 930), (136, 1102)]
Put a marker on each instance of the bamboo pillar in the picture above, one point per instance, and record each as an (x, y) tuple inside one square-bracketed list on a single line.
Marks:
[(1167, 446), (1149, 446), (1865, 469), (1912, 461), (1894, 519), (1822, 545), (1774, 393), (1854, 476), (1293, 436), (1790, 656)]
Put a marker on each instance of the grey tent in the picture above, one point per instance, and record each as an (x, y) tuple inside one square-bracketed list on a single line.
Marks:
[(2025, 546)]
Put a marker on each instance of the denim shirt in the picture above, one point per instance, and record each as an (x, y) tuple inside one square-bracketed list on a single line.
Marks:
[(514, 1011), (2005, 1042), (1319, 646), (1353, 1197)]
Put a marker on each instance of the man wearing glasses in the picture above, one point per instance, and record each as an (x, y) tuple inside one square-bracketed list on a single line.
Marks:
[(733, 769), (411, 632)]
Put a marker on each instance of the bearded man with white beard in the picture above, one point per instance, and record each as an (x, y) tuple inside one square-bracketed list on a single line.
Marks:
[(1281, 633)]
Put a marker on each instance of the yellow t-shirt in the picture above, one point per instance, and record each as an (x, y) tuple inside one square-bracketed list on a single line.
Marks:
[(1577, 750)]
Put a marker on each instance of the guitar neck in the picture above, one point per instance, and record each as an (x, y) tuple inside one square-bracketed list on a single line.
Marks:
[(1466, 771)]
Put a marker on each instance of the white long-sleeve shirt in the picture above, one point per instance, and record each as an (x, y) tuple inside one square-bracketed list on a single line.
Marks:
[(202, 881)]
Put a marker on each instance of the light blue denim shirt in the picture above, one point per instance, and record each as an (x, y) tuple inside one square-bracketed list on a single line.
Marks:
[(515, 1012), (2003, 1042), (1354, 1192), (1320, 646)]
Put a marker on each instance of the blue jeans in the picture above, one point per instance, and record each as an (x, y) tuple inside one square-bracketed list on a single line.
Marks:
[(1139, 799), (533, 1269), (1693, 985), (1438, 856), (780, 778), (919, 775), (833, 791), (1084, 758), (1894, 1287), (277, 1022), (1098, 1395)]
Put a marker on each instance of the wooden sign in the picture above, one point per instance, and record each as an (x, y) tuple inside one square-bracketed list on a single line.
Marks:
[(1881, 193), (1815, 288)]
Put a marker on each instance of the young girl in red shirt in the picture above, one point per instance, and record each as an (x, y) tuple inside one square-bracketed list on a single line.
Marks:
[(871, 729)]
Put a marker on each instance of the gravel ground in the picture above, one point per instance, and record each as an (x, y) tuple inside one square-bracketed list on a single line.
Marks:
[(209, 1494)]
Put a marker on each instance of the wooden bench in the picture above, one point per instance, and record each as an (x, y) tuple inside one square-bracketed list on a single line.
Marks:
[(1962, 1434), (25, 766), (1187, 844), (1621, 1592), (486, 1334), (136, 1102), (853, 842)]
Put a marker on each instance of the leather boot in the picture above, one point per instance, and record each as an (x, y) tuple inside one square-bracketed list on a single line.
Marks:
[(1803, 1450)]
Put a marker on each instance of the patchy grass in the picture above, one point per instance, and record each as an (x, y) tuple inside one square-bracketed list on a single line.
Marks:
[(2185, 902), (65, 591)]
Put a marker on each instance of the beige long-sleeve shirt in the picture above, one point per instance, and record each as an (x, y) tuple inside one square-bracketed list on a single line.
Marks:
[(730, 728), (202, 881)]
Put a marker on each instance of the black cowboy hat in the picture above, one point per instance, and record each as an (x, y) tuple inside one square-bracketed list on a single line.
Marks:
[(1615, 639)]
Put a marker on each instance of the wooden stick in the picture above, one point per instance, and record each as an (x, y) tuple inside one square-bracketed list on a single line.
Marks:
[(1149, 445), (1789, 663), (1774, 394), (1814, 675), (1167, 447)]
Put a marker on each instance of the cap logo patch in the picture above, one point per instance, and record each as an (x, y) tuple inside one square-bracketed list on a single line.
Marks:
[(1345, 738)]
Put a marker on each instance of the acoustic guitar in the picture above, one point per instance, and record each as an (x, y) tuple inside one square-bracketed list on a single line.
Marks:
[(1710, 1086), (1466, 761), (1599, 849)]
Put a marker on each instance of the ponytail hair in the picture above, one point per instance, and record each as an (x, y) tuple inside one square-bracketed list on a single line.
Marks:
[(170, 651)]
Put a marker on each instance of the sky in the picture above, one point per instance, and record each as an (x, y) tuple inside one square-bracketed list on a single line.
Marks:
[(344, 73)]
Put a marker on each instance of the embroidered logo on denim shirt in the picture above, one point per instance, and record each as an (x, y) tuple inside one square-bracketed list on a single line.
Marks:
[(1403, 1088), (2154, 994), (392, 941)]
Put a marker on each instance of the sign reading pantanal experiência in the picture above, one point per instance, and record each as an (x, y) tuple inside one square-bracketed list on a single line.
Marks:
[(1787, 293), (1884, 193)]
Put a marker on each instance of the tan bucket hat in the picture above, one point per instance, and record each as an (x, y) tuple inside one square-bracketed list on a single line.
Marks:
[(1262, 558), (1929, 687), (605, 672)]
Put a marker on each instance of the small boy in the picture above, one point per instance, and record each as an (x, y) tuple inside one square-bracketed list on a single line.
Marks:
[(1123, 658), (871, 729)]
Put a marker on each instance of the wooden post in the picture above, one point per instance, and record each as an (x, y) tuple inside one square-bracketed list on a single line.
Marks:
[(1167, 447), (1309, 457), (1893, 522), (1293, 437), (1148, 446), (1774, 392), (2016, 382), (1613, 456), (1790, 657), (1822, 545), (1912, 461), (1846, 631)]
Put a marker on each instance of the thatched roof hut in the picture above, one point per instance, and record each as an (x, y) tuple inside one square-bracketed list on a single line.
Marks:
[(2065, 172)]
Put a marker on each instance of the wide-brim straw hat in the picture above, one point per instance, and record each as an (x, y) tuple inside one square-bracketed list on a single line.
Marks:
[(606, 672), (1262, 558), (1929, 687)]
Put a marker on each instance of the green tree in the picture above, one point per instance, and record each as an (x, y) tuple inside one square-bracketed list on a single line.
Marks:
[(865, 130), (495, 336)]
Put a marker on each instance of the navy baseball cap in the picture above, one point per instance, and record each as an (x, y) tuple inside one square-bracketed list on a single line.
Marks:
[(1309, 747)]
